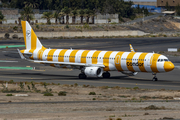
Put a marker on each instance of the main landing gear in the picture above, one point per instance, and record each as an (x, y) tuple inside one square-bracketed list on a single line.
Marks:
[(106, 75), (154, 77), (82, 76)]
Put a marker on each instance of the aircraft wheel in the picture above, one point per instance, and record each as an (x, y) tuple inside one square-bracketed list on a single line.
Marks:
[(106, 75), (155, 79), (82, 76)]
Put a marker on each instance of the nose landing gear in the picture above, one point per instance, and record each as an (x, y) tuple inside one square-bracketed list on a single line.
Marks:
[(154, 77)]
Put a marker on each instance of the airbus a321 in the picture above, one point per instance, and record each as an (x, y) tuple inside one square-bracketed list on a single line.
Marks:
[(93, 63)]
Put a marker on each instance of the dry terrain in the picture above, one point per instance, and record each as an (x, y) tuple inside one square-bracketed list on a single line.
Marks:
[(74, 102)]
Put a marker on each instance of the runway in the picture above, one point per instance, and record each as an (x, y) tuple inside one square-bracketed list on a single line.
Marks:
[(48, 74)]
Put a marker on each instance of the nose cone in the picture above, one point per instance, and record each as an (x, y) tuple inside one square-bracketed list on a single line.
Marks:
[(168, 66)]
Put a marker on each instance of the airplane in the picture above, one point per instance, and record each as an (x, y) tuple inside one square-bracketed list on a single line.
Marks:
[(93, 63)]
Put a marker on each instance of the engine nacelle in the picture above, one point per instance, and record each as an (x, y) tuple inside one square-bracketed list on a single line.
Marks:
[(93, 71), (129, 73)]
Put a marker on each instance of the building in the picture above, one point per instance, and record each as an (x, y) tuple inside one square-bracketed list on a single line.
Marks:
[(144, 2), (171, 3), (152, 9), (151, 5)]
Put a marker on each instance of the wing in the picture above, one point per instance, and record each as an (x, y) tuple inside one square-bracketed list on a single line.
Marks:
[(70, 63)]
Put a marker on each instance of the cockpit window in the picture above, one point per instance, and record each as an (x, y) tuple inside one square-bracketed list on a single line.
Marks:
[(161, 60), (166, 60)]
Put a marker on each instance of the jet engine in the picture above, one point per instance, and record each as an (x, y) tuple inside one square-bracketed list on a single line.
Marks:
[(129, 73), (93, 71)]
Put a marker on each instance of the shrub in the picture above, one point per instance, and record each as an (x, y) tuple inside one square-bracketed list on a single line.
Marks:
[(11, 81), (48, 94), (15, 28), (15, 36), (6, 35), (44, 84), (85, 86), (136, 88), (92, 93), (9, 95), (62, 93), (165, 35), (153, 107), (75, 84), (33, 85), (28, 87), (94, 98), (21, 85), (67, 26), (37, 26), (118, 119), (86, 26)]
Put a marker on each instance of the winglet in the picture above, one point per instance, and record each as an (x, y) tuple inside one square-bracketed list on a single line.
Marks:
[(131, 48), (21, 55)]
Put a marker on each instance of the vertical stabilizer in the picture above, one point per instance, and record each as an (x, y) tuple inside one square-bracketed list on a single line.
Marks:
[(131, 48), (30, 39)]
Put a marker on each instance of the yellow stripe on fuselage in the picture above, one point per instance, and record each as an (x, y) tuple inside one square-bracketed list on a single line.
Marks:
[(117, 61), (154, 62), (129, 59), (96, 54), (72, 56), (141, 60), (106, 60), (50, 55), (84, 55), (40, 53), (61, 55)]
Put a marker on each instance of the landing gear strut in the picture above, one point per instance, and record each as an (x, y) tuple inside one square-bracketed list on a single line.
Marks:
[(82, 76), (154, 77), (106, 75)]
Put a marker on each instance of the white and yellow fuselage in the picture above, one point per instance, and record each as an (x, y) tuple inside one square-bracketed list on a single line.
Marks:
[(106, 60)]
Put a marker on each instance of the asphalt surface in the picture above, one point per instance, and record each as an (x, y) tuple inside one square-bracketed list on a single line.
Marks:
[(49, 74)]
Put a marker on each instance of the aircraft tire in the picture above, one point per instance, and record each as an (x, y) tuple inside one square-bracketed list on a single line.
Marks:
[(82, 76), (106, 75), (155, 79)]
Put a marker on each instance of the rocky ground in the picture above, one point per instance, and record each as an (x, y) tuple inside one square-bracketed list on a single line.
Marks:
[(105, 103), (160, 24)]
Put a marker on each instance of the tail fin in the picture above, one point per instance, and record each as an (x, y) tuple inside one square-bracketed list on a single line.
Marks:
[(131, 48), (30, 39)]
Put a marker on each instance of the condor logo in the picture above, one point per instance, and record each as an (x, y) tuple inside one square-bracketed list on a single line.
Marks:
[(134, 64)]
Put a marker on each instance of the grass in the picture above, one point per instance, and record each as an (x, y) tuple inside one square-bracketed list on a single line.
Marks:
[(62, 93), (136, 88), (48, 94), (153, 107), (9, 95), (92, 93), (145, 97), (112, 116)]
